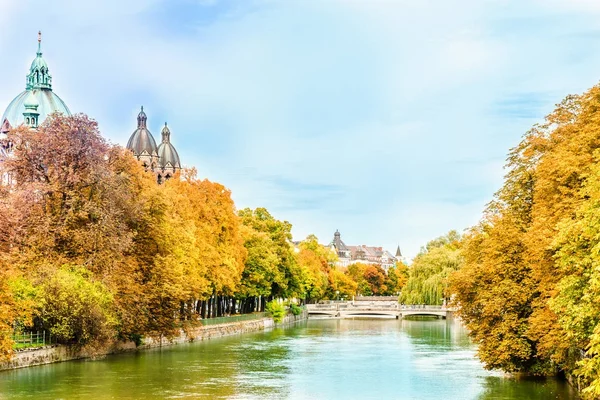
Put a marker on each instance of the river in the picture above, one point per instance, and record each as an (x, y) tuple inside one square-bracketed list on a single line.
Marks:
[(317, 359)]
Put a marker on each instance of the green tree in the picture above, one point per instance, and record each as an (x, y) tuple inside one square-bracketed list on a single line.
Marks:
[(577, 300), (286, 281), (77, 309), (356, 272), (396, 279), (429, 273)]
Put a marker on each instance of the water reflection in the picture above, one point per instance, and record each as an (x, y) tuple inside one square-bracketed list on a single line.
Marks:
[(517, 389), (326, 359)]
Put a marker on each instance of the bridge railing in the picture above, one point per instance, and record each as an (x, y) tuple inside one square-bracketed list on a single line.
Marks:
[(422, 307), (376, 306), (376, 298)]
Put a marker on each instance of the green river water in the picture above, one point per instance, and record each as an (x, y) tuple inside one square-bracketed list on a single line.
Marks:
[(317, 359)]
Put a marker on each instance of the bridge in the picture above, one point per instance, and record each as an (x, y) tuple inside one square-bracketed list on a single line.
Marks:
[(375, 309)]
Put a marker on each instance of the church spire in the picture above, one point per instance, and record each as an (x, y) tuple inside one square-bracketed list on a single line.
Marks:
[(39, 52)]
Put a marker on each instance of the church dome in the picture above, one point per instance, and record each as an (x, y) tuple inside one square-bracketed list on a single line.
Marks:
[(48, 103), (168, 157), (38, 91), (141, 142)]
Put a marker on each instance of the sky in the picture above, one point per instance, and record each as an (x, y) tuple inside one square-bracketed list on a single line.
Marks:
[(387, 120)]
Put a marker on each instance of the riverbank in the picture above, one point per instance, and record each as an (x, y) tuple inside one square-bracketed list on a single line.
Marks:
[(317, 359), (60, 353)]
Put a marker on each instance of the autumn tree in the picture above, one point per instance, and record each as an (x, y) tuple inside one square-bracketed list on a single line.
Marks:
[(340, 285), (317, 263), (396, 279), (375, 277), (577, 299), (356, 272), (529, 264)]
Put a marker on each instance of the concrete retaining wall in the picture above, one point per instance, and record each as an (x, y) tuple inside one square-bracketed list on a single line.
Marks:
[(59, 353)]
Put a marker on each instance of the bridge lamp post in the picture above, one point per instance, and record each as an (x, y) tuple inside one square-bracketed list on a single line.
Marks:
[(337, 294)]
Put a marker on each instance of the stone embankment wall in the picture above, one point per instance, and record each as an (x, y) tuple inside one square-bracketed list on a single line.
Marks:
[(59, 353)]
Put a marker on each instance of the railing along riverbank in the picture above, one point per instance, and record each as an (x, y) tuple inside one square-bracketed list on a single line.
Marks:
[(26, 340), (232, 319), (207, 329)]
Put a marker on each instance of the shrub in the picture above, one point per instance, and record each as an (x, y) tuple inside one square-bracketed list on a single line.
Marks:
[(77, 309), (137, 339), (276, 310), (294, 309)]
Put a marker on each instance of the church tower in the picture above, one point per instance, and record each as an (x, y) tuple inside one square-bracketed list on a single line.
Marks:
[(398, 255), (142, 144), (163, 159), (32, 106), (168, 159)]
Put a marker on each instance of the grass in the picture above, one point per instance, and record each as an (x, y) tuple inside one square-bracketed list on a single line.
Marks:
[(21, 346)]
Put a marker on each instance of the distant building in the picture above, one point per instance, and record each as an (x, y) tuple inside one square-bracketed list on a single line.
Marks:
[(32, 106), (348, 255), (163, 159), (35, 103)]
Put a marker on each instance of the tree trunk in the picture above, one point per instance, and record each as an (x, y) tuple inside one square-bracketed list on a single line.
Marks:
[(203, 308)]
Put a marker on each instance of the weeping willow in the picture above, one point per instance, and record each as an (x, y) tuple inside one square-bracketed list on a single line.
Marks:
[(428, 275)]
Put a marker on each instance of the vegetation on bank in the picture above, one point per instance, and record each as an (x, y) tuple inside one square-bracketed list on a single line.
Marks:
[(529, 290), (526, 279), (431, 269), (93, 250)]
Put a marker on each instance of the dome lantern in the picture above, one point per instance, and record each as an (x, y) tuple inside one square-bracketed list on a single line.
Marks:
[(166, 134), (142, 118), (39, 76)]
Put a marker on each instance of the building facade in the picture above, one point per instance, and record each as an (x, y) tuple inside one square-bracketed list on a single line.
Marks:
[(348, 255)]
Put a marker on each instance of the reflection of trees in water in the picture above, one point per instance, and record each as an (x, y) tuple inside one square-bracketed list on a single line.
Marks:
[(437, 332), (261, 364), (531, 389), (279, 363)]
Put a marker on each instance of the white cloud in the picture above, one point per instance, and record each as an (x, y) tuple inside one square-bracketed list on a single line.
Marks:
[(570, 5), (385, 119)]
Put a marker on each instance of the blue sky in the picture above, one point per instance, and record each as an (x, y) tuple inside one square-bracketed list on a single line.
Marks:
[(387, 120)]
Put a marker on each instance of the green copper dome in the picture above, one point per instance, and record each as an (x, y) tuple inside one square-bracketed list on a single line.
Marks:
[(48, 103), (38, 90)]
